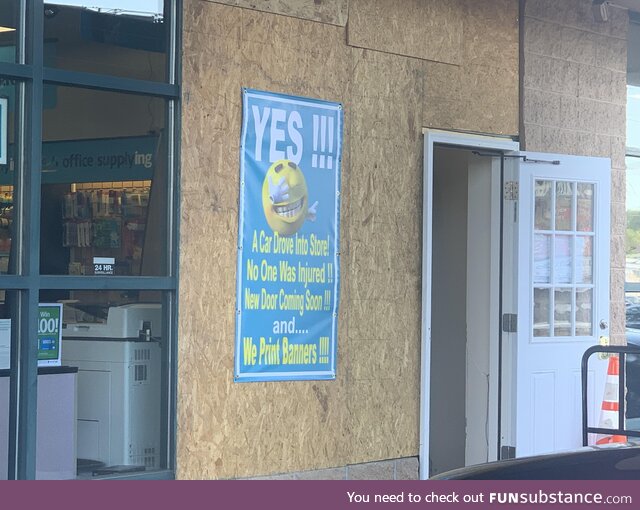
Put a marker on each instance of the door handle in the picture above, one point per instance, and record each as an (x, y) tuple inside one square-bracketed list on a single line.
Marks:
[(604, 324)]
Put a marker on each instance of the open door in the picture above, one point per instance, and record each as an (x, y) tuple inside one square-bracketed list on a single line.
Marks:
[(557, 211)]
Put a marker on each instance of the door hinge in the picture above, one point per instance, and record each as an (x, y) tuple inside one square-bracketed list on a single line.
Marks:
[(510, 323), (507, 452), (511, 190)]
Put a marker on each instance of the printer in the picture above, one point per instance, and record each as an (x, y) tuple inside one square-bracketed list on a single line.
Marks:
[(118, 355)]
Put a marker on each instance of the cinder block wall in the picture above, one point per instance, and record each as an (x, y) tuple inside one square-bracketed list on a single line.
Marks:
[(574, 102), (397, 67)]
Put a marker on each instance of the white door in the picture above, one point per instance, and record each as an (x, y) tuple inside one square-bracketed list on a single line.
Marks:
[(561, 294)]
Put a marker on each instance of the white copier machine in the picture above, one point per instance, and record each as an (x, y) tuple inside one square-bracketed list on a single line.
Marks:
[(119, 367)]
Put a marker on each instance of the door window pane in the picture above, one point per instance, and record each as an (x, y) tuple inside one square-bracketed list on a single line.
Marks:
[(543, 205), (9, 13), (113, 349), (562, 312), (584, 259), (542, 258), (541, 312), (563, 259), (104, 182), (585, 207), (584, 312), (564, 205), (116, 37)]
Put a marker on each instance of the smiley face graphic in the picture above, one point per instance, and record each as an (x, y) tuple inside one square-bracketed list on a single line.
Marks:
[(285, 198)]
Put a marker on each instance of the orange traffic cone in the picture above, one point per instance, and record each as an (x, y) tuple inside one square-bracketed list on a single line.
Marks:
[(610, 404)]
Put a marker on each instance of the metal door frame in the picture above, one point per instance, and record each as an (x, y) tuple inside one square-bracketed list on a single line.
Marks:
[(462, 140)]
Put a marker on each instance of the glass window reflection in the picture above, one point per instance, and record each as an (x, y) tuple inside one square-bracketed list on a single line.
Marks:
[(116, 37), (9, 162), (6, 326), (112, 342), (9, 13), (632, 242), (103, 184)]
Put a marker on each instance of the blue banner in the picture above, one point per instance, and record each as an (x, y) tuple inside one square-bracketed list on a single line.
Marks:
[(288, 278)]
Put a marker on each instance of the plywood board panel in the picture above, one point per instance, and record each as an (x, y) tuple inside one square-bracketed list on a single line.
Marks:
[(291, 56), (333, 12), (387, 115), (479, 93), (214, 180), (386, 183), (490, 34), (389, 274), (230, 430), (211, 107), (426, 29), (385, 159), (383, 228), (492, 100), (247, 438), (484, 100), (390, 356), (371, 432), (206, 17), (376, 319), (382, 75)]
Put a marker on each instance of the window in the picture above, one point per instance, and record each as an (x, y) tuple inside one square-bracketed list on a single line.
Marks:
[(564, 237), (116, 37), (88, 231), (5, 342), (10, 99), (632, 244), (8, 30), (103, 184)]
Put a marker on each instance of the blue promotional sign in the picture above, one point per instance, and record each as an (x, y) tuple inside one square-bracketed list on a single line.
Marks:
[(3, 130), (288, 278)]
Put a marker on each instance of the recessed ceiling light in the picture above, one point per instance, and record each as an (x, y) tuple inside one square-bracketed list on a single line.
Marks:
[(7, 29)]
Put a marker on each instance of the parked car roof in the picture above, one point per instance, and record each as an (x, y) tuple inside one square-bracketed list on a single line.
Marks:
[(610, 462)]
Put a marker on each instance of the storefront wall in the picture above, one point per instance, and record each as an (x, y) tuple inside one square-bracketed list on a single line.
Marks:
[(574, 102), (397, 68)]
